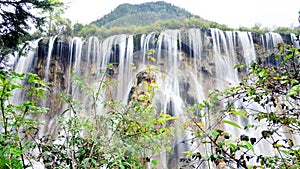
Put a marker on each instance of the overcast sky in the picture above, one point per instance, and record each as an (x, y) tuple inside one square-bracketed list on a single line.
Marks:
[(233, 13)]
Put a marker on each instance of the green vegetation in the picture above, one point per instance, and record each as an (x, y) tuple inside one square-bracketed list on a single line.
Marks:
[(268, 94), (120, 136), (17, 19), (18, 127), (156, 16), (143, 18), (160, 25), (150, 12)]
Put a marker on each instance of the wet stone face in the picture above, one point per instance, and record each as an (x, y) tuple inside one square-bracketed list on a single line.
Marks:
[(139, 87)]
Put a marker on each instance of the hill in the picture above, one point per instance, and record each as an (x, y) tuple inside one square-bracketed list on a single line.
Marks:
[(142, 14)]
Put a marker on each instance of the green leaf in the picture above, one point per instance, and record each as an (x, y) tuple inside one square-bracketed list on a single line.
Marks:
[(168, 148), (232, 123), (251, 91), (154, 162), (142, 97), (200, 106), (16, 152), (247, 145), (94, 161), (214, 134), (231, 144), (240, 66), (294, 90), (261, 74), (241, 113)]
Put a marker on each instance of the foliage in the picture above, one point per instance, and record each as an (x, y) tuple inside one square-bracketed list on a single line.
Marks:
[(113, 134), (160, 25), (255, 29), (18, 127), (124, 25), (140, 19), (266, 102), (18, 18), (286, 30), (158, 9), (158, 16), (77, 28), (57, 24)]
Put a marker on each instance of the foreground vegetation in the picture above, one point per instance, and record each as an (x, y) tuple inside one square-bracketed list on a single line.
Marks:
[(263, 111)]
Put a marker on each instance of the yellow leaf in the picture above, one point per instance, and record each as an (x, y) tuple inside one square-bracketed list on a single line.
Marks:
[(200, 125), (186, 123)]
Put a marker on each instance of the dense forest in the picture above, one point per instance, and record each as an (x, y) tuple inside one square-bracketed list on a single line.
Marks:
[(141, 14), (155, 16)]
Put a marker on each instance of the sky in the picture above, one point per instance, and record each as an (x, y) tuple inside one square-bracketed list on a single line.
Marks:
[(233, 13)]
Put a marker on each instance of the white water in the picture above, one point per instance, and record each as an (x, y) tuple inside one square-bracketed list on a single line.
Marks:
[(224, 70), (89, 60), (23, 65), (125, 72), (295, 40), (225, 59), (50, 48)]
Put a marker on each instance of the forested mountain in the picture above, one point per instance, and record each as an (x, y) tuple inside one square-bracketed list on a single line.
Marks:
[(152, 16), (142, 14)]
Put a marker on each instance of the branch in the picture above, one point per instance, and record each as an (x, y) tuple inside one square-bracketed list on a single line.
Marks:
[(214, 142)]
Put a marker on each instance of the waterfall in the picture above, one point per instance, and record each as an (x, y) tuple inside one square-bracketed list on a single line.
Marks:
[(245, 38), (147, 43), (50, 48), (23, 65), (271, 40), (223, 60), (295, 40), (76, 49), (125, 72), (186, 63), (195, 50)]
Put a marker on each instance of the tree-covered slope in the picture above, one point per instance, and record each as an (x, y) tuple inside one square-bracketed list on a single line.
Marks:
[(142, 14)]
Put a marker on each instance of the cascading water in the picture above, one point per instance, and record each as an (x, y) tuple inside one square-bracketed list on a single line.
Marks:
[(246, 41), (295, 40), (47, 71), (270, 40), (23, 65), (125, 70), (224, 58), (147, 42), (189, 62)]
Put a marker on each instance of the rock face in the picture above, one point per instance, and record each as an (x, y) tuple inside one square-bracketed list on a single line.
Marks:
[(189, 63)]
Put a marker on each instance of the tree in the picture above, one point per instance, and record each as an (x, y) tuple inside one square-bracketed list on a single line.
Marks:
[(18, 128), (77, 28), (57, 24), (18, 18)]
